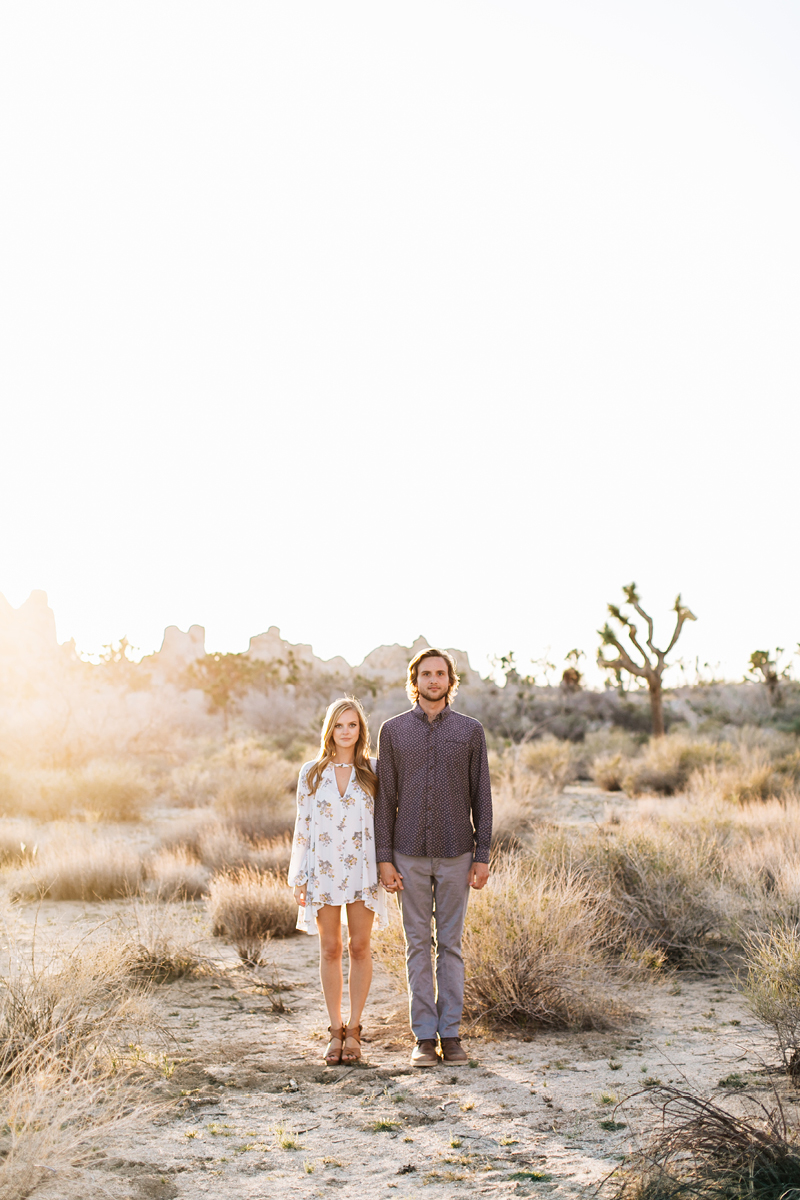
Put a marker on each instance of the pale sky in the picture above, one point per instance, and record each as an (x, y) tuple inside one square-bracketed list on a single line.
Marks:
[(369, 320)]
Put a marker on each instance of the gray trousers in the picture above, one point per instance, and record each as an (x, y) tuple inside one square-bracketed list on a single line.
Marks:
[(434, 889)]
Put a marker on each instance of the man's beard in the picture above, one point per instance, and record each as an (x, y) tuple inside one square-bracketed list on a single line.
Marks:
[(425, 696)]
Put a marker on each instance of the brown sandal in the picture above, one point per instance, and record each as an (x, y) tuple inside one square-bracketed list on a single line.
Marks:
[(333, 1051), (351, 1056)]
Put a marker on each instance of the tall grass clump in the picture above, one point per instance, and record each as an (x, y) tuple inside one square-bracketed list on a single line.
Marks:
[(535, 951), (79, 869), (533, 946), (247, 907), (107, 791), (667, 763), (62, 1021), (703, 1150), (175, 874), (772, 987), (663, 886)]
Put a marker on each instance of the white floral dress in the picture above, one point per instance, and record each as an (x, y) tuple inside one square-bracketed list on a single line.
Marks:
[(333, 851)]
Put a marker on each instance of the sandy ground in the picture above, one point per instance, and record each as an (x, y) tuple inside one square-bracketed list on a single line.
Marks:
[(251, 1112)]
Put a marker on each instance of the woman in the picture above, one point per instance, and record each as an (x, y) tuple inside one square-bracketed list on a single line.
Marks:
[(333, 869)]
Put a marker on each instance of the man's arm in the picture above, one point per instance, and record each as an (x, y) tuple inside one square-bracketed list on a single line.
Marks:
[(481, 802), (386, 813)]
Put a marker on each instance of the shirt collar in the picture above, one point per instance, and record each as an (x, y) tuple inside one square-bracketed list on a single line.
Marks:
[(423, 716)]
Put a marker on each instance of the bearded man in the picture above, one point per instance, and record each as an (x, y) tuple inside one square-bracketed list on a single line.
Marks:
[(433, 828)]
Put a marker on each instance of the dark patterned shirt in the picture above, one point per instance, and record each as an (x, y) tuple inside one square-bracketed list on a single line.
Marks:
[(434, 797)]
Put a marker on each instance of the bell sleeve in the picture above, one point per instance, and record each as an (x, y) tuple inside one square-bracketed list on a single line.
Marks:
[(298, 865)]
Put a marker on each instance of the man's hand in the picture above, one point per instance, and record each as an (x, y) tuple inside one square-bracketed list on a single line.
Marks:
[(478, 875), (391, 878), (300, 894)]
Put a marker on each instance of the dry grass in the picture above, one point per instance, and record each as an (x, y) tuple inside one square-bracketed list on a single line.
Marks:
[(668, 762), (162, 942), (107, 791), (175, 874), (18, 842), (248, 907), (79, 869), (62, 1019), (704, 1150), (535, 951), (772, 987)]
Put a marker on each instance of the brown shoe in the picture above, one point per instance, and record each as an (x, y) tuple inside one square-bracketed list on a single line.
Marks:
[(351, 1053), (424, 1053), (453, 1052), (333, 1051)]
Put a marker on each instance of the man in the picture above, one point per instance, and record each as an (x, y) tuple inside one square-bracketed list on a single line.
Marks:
[(433, 828)]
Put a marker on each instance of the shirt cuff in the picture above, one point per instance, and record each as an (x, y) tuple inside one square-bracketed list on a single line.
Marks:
[(384, 854), (481, 855)]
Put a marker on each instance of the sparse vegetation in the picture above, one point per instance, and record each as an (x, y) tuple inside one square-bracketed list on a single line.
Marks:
[(248, 907), (703, 1149)]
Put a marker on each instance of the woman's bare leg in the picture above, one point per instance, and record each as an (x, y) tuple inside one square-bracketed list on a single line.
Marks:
[(329, 924), (359, 925)]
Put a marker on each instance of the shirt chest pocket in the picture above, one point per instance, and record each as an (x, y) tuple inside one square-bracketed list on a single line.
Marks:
[(456, 751)]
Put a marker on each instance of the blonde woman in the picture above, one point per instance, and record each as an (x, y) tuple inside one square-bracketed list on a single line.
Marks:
[(333, 870)]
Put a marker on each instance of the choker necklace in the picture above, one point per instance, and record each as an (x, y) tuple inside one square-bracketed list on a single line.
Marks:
[(344, 764)]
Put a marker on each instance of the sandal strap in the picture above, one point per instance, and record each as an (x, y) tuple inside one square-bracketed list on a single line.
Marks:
[(354, 1032)]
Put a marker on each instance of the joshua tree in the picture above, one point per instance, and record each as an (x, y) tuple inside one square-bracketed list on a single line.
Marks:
[(223, 678), (761, 663), (654, 662), (572, 678)]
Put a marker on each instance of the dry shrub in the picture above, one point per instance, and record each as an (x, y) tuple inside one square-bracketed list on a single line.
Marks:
[(218, 846), (772, 987), (663, 886), (61, 1019), (248, 907), (609, 771), (703, 1150), (534, 951), (161, 942), (533, 947), (81, 869), (745, 782), (109, 791), (251, 787), (175, 874), (18, 843), (547, 761), (667, 763)]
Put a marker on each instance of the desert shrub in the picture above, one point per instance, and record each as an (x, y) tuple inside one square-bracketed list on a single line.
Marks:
[(110, 791), (703, 1149), (248, 907), (175, 874), (18, 843), (609, 771), (662, 887), (548, 761), (161, 944), (218, 846), (79, 870), (61, 1017), (667, 763), (62, 1008), (257, 796), (533, 950), (745, 782), (772, 987)]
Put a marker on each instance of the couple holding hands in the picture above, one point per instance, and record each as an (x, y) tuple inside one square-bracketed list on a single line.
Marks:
[(415, 822)]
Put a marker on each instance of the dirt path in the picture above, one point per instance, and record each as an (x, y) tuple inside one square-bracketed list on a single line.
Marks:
[(255, 1114)]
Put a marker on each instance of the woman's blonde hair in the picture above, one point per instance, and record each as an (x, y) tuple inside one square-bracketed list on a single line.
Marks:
[(412, 691), (327, 749)]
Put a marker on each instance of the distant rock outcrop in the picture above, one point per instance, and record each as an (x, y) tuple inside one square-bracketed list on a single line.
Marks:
[(271, 647), (178, 650)]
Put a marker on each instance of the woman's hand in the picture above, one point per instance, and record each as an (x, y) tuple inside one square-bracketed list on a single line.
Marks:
[(300, 894)]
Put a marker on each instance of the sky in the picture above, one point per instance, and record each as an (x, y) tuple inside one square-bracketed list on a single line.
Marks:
[(377, 320)]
